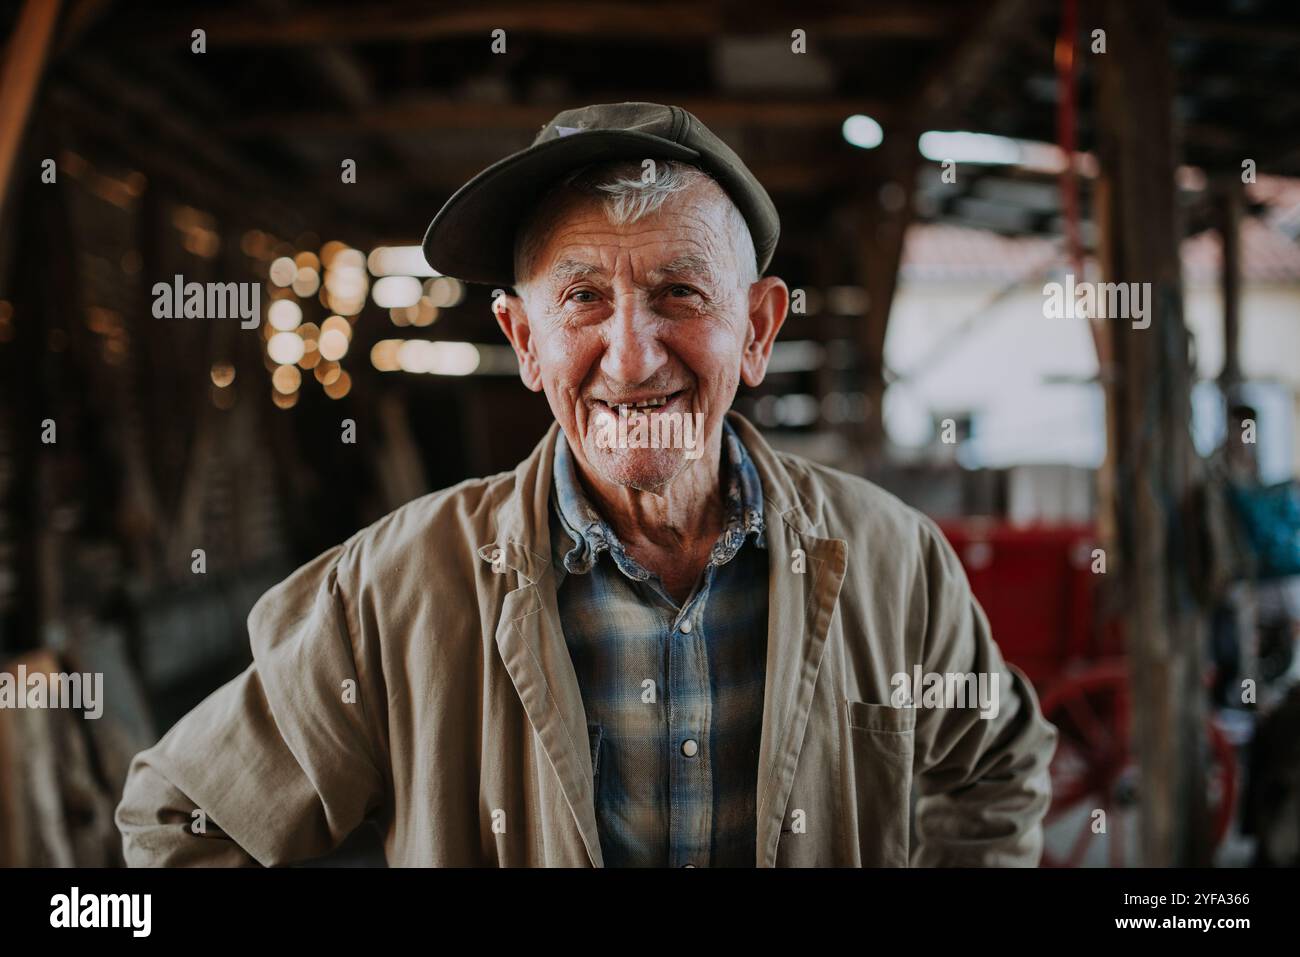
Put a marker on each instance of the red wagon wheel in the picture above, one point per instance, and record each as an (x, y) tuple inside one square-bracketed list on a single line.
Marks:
[(1094, 768)]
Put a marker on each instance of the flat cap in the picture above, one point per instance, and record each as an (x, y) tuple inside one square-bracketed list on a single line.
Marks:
[(472, 237)]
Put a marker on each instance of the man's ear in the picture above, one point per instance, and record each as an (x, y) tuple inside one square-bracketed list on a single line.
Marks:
[(768, 300), (513, 320)]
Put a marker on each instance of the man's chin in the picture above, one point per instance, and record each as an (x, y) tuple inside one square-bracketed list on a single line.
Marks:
[(646, 470)]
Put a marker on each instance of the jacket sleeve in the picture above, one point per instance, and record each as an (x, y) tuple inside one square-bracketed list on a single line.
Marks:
[(279, 761), (982, 773)]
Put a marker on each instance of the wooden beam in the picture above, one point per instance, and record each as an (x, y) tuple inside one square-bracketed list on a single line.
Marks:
[(24, 63), (82, 15), (324, 210), (448, 175), (1228, 201), (961, 75), (1249, 32), (962, 72), (141, 120), (884, 208), (347, 75), (1151, 453), (439, 115), (416, 22)]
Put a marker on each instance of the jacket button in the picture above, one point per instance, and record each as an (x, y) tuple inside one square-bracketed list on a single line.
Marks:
[(688, 865), (689, 747), (686, 627)]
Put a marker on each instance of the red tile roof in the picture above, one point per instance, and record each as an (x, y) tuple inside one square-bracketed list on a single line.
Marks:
[(940, 251)]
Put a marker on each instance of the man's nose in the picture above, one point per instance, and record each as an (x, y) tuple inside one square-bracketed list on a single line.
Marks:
[(633, 353)]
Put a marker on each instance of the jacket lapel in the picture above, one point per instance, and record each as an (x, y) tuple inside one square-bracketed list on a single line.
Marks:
[(800, 607), (530, 639)]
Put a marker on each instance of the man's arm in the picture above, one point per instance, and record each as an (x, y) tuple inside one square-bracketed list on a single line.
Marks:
[(983, 784), (280, 763)]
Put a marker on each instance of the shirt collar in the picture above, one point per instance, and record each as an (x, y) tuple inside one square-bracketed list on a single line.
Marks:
[(590, 534)]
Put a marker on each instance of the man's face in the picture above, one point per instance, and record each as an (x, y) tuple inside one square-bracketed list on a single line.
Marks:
[(651, 311)]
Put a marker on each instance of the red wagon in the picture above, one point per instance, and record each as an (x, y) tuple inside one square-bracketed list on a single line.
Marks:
[(1039, 588)]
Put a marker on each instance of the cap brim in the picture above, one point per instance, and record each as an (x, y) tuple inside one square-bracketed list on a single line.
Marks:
[(473, 236)]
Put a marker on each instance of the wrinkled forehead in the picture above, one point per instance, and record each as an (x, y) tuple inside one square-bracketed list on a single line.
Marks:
[(653, 265), (687, 237)]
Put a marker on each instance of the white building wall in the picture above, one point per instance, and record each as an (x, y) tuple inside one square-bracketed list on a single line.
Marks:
[(1030, 382)]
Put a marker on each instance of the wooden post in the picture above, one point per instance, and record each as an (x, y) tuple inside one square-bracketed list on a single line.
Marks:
[(1227, 215), (884, 211), (24, 63), (1150, 443)]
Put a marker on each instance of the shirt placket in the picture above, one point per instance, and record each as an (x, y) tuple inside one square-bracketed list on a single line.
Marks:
[(689, 719)]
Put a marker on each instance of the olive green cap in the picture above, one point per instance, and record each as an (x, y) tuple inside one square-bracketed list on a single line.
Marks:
[(473, 236)]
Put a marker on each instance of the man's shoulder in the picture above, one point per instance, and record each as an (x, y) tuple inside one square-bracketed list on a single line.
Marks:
[(891, 543), (851, 506), (439, 530)]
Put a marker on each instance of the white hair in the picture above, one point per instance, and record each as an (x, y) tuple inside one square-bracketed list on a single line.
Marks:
[(627, 197)]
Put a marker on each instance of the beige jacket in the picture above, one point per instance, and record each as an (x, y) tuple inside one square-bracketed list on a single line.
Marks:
[(408, 676)]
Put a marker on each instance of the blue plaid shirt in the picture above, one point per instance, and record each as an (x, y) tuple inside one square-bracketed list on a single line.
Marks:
[(673, 693)]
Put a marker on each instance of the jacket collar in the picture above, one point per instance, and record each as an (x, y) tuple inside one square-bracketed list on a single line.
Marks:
[(806, 572), (522, 532), (788, 494), (585, 533), (522, 526)]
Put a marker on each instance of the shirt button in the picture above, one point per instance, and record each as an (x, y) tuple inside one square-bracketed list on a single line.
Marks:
[(689, 747), (688, 865), (686, 627)]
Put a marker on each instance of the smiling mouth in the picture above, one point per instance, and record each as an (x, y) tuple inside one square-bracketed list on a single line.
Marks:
[(640, 405)]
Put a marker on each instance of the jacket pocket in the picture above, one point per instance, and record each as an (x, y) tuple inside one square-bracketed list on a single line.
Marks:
[(880, 717), (881, 746)]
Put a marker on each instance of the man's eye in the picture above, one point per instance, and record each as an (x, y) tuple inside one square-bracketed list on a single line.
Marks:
[(680, 291), (578, 294)]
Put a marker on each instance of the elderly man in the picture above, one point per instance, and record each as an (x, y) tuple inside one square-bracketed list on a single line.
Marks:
[(656, 642)]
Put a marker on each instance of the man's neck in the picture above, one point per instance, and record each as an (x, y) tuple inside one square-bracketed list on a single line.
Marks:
[(670, 530)]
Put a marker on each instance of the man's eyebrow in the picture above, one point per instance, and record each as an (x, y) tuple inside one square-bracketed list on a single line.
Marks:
[(567, 270), (682, 267)]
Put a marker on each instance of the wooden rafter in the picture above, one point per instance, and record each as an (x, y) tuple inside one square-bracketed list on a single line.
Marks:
[(409, 22), (24, 62), (443, 115)]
